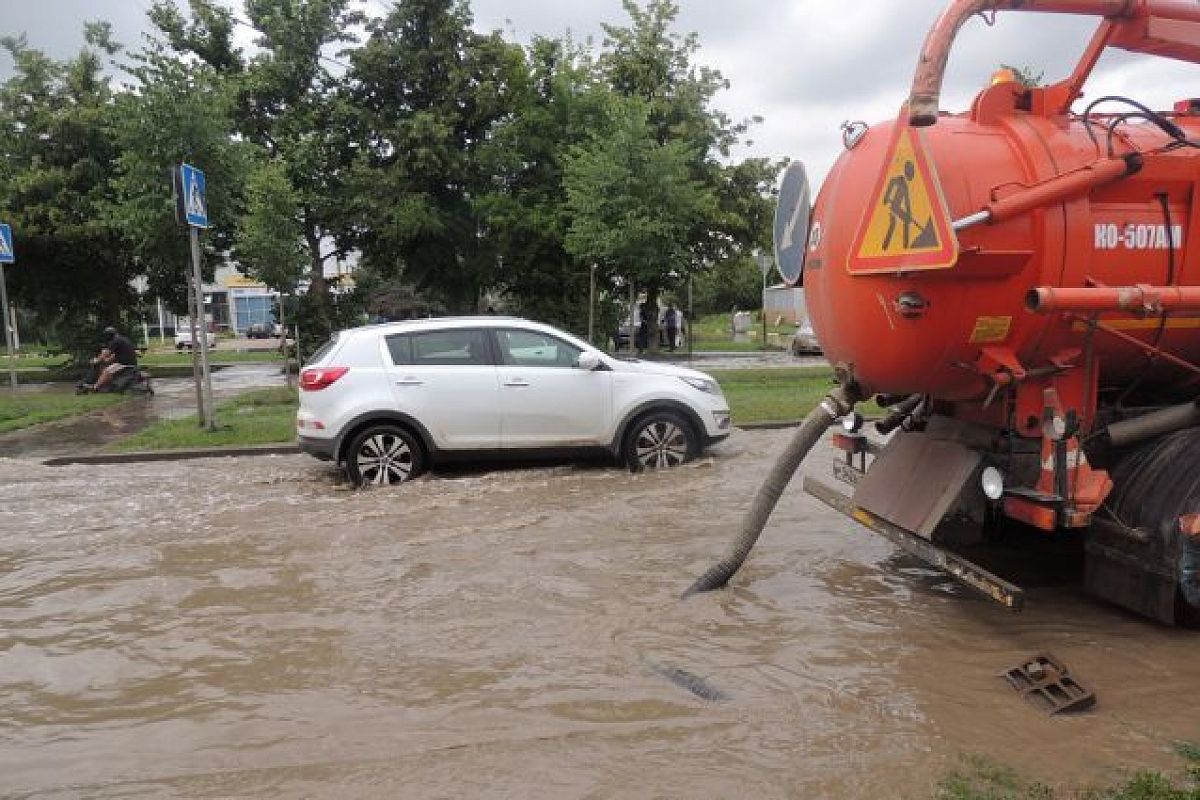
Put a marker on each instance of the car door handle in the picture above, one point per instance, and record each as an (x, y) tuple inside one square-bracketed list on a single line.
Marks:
[(516, 382), (410, 382)]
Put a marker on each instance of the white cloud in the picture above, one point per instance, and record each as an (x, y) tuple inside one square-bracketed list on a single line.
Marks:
[(803, 65)]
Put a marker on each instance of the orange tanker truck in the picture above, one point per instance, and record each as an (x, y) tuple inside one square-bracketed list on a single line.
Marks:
[(1019, 287)]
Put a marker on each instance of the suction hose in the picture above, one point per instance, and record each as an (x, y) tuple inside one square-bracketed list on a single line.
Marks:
[(838, 402)]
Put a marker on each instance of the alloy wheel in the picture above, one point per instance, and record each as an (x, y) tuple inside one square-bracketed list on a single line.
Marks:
[(661, 443), (385, 458)]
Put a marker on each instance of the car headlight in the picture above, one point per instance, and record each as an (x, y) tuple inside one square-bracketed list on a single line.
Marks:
[(703, 384)]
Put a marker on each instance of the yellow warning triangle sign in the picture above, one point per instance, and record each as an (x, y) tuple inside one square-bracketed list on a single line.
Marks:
[(906, 225)]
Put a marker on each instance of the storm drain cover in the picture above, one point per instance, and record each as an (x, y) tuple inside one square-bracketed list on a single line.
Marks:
[(1047, 684)]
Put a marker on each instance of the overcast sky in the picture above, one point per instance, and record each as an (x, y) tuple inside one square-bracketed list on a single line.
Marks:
[(803, 65)]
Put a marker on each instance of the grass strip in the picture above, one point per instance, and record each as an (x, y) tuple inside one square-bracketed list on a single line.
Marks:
[(19, 410), (267, 416), (263, 416), (979, 778), (782, 394), (168, 358)]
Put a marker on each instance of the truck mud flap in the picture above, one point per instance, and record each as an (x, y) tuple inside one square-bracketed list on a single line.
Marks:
[(965, 572)]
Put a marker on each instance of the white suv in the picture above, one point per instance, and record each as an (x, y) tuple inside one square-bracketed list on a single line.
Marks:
[(387, 400)]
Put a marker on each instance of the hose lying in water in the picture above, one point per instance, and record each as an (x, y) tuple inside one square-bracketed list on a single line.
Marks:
[(839, 401)]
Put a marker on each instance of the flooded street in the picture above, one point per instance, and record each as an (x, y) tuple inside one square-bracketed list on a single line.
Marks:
[(253, 628)]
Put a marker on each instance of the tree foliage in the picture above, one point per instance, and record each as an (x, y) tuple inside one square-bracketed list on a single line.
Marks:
[(58, 158), (451, 164), (431, 93)]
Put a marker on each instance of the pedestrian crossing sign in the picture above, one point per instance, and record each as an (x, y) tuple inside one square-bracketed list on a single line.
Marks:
[(191, 188), (906, 226), (7, 256)]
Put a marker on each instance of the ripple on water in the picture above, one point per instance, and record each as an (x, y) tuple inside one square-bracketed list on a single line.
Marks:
[(254, 627)]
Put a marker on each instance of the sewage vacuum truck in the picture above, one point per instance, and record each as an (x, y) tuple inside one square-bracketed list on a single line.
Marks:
[(1018, 286)]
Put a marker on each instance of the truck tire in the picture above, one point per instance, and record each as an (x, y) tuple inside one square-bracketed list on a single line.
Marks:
[(1154, 487)]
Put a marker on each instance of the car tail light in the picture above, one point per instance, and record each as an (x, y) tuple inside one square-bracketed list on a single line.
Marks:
[(316, 378)]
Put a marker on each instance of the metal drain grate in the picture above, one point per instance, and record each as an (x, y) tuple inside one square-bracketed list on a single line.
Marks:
[(1047, 683)]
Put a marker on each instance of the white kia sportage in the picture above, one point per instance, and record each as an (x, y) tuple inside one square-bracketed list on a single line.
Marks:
[(386, 401)]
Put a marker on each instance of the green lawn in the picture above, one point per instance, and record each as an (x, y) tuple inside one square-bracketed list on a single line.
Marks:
[(978, 778), (171, 357), (782, 394), (267, 416), (263, 416), (40, 360), (20, 410)]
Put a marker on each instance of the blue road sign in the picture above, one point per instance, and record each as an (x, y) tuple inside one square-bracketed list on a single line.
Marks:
[(195, 205), (7, 256)]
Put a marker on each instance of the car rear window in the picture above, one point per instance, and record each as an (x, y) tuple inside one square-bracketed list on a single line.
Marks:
[(454, 347), (400, 347)]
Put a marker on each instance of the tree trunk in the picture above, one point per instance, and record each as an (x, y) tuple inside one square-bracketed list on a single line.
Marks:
[(318, 288)]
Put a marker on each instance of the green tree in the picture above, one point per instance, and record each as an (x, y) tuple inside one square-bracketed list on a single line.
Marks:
[(58, 152), (288, 102), (270, 236), (633, 200), (431, 94), (180, 112), (648, 61), (559, 105)]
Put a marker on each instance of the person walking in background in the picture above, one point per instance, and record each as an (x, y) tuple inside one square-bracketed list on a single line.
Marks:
[(648, 327), (671, 320)]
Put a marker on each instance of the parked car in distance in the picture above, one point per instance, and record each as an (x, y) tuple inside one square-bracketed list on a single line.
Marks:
[(387, 401), (183, 339), (261, 330), (804, 341)]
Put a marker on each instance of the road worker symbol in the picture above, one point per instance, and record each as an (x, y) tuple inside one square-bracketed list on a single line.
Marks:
[(906, 226)]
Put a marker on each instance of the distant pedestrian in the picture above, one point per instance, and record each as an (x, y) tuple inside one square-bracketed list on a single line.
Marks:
[(672, 322), (646, 321)]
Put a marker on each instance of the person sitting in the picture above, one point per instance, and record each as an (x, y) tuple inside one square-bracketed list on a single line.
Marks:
[(117, 355)]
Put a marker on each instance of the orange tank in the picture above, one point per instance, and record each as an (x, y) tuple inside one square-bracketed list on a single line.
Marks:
[(1020, 285), (1044, 199)]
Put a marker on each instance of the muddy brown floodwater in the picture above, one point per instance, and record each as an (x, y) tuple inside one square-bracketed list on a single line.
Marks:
[(252, 628)]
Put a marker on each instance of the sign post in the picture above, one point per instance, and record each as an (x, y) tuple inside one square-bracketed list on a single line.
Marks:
[(764, 266), (193, 211), (7, 256)]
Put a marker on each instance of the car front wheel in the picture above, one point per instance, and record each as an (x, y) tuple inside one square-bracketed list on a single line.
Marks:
[(383, 455), (660, 439)]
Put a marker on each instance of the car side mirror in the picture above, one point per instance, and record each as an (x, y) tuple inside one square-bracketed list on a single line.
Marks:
[(589, 360)]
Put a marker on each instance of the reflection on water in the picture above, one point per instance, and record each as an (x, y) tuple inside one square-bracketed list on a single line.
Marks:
[(253, 628)]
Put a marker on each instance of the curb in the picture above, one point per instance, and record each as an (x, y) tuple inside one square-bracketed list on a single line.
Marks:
[(174, 455), (768, 426)]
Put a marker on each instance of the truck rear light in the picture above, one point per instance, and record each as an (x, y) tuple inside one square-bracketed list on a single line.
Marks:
[(316, 378)]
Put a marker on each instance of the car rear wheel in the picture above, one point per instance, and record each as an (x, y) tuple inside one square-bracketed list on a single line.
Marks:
[(658, 440), (383, 455)]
